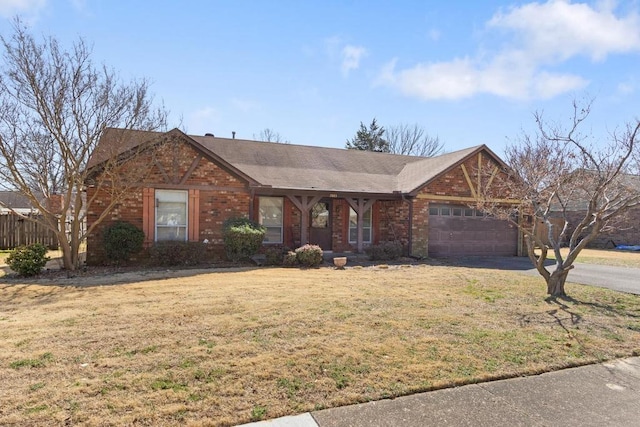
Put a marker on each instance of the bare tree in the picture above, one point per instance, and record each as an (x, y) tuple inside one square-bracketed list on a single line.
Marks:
[(269, 135), (570, 190), (413, 140), (55, 105)]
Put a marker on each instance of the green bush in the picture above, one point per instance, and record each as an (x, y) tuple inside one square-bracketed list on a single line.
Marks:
[(28, 260), (242, 238), (385, 251), (173, 253), (290, 259), (274, 255), (309, 255), (122, 240)]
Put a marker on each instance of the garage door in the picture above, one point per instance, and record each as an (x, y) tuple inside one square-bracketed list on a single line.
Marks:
[(459, 231)]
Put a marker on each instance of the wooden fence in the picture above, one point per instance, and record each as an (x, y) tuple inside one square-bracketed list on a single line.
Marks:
[(16, 231)]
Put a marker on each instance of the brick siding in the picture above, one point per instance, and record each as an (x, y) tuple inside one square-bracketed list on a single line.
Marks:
[(174, 160), (221, 195)]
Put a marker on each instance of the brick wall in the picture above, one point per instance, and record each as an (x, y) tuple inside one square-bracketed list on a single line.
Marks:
[(173, 161), (449, 185), (393, 224), (420, 228), (624, 230)]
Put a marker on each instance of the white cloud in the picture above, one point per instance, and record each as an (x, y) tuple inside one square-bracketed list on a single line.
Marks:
[(538, 37), (347, 55), (463, 78), (627, 88), (559, 29), (8, 8), (351, 56)]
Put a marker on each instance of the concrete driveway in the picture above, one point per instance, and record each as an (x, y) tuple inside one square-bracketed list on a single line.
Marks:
[(623, 279)]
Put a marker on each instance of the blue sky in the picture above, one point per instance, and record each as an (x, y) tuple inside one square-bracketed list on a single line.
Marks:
[(469, 72)]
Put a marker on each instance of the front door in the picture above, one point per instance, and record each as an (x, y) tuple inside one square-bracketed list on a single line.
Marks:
[(320, 233)]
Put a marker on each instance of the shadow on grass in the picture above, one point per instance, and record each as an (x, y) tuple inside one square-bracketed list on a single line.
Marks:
[(111, 276), (608, 309)]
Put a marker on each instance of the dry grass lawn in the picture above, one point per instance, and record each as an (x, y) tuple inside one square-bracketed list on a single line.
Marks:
[(228, 347), (607, 257), (3, 256)]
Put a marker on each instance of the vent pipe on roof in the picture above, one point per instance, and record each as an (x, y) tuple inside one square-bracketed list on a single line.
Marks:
[(233, 134), (209, 134)]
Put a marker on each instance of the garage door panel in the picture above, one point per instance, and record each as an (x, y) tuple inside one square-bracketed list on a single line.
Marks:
[(451, 236)]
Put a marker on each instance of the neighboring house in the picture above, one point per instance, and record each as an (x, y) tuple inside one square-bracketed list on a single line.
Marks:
[(622, 230), (15, 202), (342, 200)]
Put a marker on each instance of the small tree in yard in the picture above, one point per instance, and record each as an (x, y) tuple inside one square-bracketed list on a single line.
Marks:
[(575, 189), (55, 105)]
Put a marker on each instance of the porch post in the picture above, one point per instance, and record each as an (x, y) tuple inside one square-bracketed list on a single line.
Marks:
[(361, 206), (304, 204), (304, 222)]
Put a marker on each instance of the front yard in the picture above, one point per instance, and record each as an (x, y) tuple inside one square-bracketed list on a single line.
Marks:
[(229, 346)]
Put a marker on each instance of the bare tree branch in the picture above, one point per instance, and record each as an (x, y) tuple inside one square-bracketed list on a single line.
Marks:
[(413, 140), (570, 187), (269, 135), (55, 105)]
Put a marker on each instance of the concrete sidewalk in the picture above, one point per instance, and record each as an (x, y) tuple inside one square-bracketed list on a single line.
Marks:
[(606, 394)]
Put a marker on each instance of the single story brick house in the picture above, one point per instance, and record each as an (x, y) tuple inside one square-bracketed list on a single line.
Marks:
[(342, 200), (622, 230)]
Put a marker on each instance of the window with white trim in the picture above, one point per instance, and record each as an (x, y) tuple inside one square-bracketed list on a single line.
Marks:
[(171, 215), (353, 226), (270, 212)]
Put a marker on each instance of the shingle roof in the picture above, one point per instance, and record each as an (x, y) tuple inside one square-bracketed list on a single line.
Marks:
[(14, 199), (289, 166)]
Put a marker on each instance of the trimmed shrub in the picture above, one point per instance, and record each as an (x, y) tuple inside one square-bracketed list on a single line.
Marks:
[(122, 240), (274, 255), (290, 259), (28, 260), (242, 238), (309, 255), (385, 251), (172, 253)]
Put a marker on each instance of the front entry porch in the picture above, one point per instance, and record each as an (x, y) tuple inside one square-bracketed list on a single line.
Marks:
[(337, 222)]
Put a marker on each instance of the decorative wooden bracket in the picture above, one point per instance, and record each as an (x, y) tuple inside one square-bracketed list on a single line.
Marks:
[(304, 204), (360, 206)]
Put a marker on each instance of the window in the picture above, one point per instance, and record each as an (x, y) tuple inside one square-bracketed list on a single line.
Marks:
[(445, 211), (468, 212), (171, 215), (353, 226), (433, 211), (270, 215), (457, 211), (320, 215)]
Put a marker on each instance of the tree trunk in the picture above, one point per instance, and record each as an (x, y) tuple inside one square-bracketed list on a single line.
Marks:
[(69, 251), (555, 283)]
